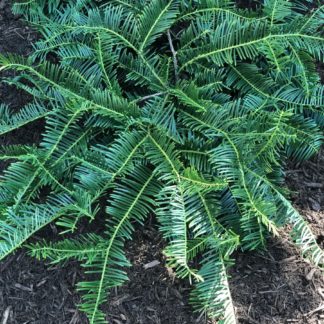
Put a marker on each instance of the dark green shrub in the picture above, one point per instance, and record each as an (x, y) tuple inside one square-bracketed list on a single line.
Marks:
[(188, 109)]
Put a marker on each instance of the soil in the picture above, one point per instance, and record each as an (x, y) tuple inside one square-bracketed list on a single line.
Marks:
[(273, 286)]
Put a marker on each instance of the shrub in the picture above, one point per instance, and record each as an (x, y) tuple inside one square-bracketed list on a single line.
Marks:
[(185, 109)]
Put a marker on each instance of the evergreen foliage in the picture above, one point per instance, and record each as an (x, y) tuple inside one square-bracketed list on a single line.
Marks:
[(186, 109)]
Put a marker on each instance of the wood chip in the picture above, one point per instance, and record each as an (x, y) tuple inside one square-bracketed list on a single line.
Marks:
[(314, 185), (120, 300), (5, 315), (292, 258), (24, 288), (151, 264), (321, 292), (2, 4), (75, 319), (41, 283), (117, 322), (310, 275), (268, 292), (318, 309)]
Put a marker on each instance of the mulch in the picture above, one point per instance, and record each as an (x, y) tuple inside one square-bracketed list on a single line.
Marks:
[(272, 286)]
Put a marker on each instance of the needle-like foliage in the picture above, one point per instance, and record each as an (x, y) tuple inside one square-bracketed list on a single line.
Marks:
[(185, 109)]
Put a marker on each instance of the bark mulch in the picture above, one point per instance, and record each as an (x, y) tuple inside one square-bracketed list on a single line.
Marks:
[(273, 286), (278, 286)]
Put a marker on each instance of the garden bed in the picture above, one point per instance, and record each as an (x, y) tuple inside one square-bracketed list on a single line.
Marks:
[(276, 286)]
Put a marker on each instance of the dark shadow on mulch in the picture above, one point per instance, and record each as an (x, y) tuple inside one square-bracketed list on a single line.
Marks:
[(16, 38)]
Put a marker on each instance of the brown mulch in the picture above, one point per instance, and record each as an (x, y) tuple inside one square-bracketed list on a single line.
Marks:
[(36, 292), (16, 38), (306, 181), (153, 294), (273, 286), (277, 285)]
